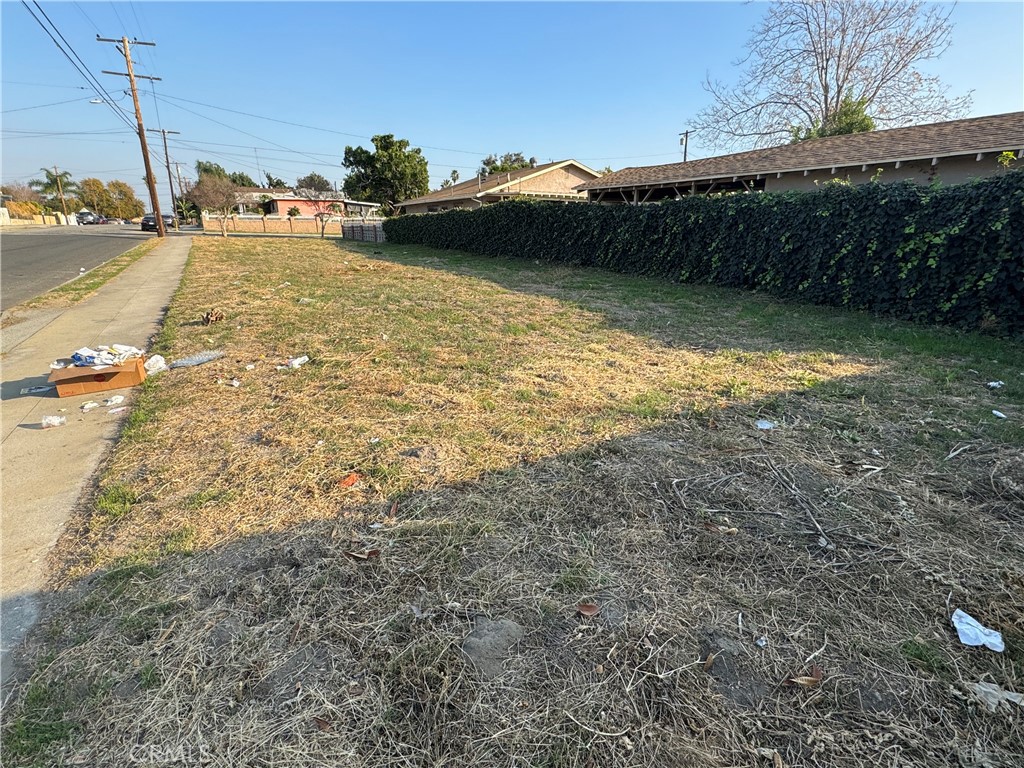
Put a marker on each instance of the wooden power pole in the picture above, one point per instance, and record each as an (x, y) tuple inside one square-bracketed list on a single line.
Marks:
[(60, 191), (130, 74), (170, 183)]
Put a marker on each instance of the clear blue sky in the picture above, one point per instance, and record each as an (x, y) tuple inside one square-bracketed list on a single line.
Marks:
[(605, 83)]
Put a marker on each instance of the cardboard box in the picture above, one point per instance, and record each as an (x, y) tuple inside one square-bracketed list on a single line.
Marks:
[(81, 381)]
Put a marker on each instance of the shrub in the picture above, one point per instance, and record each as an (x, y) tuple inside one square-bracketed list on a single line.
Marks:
[(23, 210), (952, 255)]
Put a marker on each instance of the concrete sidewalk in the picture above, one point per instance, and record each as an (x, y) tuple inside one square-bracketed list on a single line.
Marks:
[(45, 472)]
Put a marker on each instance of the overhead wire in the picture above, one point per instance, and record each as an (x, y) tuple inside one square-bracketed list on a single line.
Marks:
[(40, 106)]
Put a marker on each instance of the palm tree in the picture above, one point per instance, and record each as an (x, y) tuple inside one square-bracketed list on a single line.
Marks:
[(54, 185)]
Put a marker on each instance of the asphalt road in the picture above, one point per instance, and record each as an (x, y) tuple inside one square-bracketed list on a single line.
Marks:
[(33, 261)]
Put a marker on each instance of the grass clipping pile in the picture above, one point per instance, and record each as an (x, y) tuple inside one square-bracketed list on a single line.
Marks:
[(519, 515)]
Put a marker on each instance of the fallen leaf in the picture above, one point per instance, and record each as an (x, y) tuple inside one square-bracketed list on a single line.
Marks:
[(394, 508), (588, 609), (365, 554), (349, 480), (725, 530), (323, 725), (777, 761), (709, 662), (811, 680)]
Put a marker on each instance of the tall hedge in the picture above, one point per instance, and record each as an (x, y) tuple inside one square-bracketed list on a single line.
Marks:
[(952, 255)]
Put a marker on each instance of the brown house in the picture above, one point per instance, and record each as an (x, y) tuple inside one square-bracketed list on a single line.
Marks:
[(951, 152), (551, 181)]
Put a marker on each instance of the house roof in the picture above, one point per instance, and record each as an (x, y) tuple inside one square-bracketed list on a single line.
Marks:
[(493, 184), (993, 133)]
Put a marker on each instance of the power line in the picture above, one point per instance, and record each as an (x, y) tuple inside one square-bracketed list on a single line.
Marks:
[(45, 85), (80, 65), (40, 106)]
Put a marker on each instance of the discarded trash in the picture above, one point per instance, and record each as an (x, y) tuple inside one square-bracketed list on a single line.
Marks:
[(765, 424), (295, 362), (374, 440), (114, 400), (197, 359), (122, 409), (999, 414), (973, 632), (38, 390), (114, 354), (155, 364), (56, 365), (49, 422), (250, 367), (213, 316), (305, 301), (761, 642), (91, 405), (588, 610), (996, 384), (993, 696), (235, 383)]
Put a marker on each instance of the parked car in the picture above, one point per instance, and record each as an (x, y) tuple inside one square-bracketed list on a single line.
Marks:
[(87, 217), (149, 222)]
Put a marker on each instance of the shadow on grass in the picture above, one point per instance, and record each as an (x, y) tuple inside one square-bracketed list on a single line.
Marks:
[(724, 560)]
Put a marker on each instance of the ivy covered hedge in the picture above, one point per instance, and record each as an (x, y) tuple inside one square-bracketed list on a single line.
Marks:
[(952, 255)]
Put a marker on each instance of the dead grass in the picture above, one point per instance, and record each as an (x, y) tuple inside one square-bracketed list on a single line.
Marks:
[(513, 439)]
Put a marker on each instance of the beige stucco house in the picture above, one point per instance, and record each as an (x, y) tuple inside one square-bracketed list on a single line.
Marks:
[(551, 181), (950, 152)]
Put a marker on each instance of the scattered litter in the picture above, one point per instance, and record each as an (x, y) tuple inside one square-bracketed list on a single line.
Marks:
[(49, 422), (973, 632), (765, 424), (155, 364), (761, 642), (993, 696), (349, 480), (374, 440), (305, 301), (999, 414), (588, 610), (114, 354), (122, 409), (876, 452), (376, 526), (91, 405), (114, 400), (384, 337), (37, 390), (56, 365), (295, 362), (213, 316), (364, 554), (996, 384), (235, 383), (197, 359), (250, 367)]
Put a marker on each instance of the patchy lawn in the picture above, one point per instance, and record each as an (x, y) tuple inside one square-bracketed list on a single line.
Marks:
[(285, 572)]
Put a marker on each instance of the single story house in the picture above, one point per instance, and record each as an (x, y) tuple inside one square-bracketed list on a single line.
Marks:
[(550, 181), (951, 152), (277, 202)]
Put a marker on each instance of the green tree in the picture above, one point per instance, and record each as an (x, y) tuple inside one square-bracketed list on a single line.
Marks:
[(451, 181), (388, 175), (294, 211), (315, 182), (123, 202), (273, 182), (57, 189), (240, 179), (850, 117), (510, 161), (204, 168), (95, 196), (806, 57)]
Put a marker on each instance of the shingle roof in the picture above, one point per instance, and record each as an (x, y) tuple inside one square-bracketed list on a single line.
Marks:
[(993, 133), (474, 187)]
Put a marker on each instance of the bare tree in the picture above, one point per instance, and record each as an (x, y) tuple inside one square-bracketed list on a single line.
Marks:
[(807, 56), (215, 193), (324, 205)]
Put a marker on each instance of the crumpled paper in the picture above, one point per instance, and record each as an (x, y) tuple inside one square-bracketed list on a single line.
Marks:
[(993, 696), (973, 632)]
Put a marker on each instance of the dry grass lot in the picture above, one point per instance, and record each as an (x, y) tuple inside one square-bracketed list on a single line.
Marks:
[(285, 572)]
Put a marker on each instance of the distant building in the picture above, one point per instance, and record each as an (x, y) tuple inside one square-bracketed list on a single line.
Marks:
[(551, 181)]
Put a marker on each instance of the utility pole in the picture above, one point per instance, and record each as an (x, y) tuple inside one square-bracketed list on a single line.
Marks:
[(167, 161), (60, 191), (685, 141), (130, 74)]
